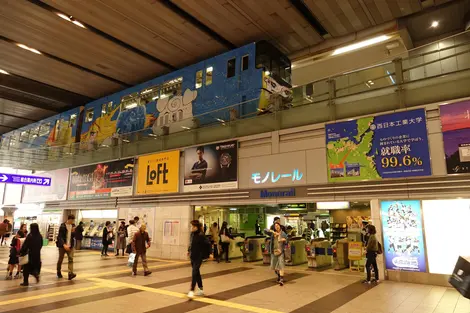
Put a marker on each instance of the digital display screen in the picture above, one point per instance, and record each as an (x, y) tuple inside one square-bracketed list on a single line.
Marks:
[(446, 224), (403, 235)]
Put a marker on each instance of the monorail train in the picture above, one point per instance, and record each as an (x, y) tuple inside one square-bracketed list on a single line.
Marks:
[(196, 95)]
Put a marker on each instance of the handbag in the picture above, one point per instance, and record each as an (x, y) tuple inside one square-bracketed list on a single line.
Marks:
[(23, 260)]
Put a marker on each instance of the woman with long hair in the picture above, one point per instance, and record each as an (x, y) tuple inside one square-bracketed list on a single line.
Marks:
[(225, 237), (121, 238), (32, 248), (278, 242), (106, 239), (196, 249), (371, 254)]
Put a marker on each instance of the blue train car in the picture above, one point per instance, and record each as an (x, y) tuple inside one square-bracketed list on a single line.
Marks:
[(61, 130), (200, 94)]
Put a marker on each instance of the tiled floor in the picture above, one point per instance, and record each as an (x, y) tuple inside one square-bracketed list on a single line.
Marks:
[(105, 285)]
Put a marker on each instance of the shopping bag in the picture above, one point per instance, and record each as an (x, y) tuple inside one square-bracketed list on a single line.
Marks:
[(130, 261), (23, 260), (460, 278)]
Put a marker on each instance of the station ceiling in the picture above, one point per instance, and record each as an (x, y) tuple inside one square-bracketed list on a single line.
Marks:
[(83, 50)]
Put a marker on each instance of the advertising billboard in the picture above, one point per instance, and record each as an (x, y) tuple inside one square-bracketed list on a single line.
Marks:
[(102, 180), (57, 191), (455, 122), (403, 235), (385, 146), (158, 173), (211, 167)]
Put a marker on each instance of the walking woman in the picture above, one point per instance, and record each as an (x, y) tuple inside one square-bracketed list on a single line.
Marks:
[(225, 237), (106, 239), (121, 238), (15, 247), (196, 250), (32, 248), (371, 254), (278, 241)]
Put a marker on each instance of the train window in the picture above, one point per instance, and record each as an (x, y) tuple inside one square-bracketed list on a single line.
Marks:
[(89, 115), (44, 129), (34, 133), (57, 127), (103, 109), (231, 67), (150, 94), (130, 101), (245, 62), (198, 79), (24, 136), (272, 61), (209, 75), (73, 120), (172, 88)]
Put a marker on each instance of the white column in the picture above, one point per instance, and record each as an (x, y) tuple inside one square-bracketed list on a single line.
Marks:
[(376, 221)]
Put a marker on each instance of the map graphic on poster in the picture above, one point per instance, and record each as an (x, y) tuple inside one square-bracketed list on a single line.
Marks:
[(455, 121), (102, 180), (403, 235), (146, 216), (385, 146)]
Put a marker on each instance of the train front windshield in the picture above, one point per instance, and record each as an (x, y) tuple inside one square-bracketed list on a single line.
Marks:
[(274, 61)]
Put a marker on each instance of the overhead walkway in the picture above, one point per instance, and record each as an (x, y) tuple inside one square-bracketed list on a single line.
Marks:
[(433, 76)]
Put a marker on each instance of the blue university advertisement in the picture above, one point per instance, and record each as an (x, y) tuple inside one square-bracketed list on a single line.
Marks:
[(403, 235), (385, 146)]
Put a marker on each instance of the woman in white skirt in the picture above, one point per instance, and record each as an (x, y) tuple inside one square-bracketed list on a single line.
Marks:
[(277, 255)]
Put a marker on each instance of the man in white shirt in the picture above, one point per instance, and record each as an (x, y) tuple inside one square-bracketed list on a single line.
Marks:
[(131, 230), (65, 243)]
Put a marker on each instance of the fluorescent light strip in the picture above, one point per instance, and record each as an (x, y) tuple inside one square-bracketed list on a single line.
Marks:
[(28, 48), (361, 44), (4, 72)]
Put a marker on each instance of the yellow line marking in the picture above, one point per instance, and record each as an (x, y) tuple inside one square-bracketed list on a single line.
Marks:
[(232, 305), (49, 295)]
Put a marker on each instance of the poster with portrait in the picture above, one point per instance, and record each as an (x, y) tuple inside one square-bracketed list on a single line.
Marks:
[(403, 235), (455, 121), (211, 167), (102, 180)]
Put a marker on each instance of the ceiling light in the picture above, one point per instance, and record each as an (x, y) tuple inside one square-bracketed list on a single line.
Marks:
[(220, 120), (184, 127), (370, 82), (79, 24), (361, 44), (434, 24), (28, 48), (65, 17), (131, 106), (4, 72), (267, 73)]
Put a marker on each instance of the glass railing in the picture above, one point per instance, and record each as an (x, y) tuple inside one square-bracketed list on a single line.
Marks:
[(310, 103)]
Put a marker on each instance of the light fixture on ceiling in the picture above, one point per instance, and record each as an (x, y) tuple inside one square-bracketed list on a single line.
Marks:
[(267, 73), (4, 72), (28, 48), (434, 24), (370, 82), (70, 19), (361, 44)]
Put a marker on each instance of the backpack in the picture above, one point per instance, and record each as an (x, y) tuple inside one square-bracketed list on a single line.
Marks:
[(379, 250), (206, 248)]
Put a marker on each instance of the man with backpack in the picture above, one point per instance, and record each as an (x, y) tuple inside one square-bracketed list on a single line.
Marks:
[(199, 250)]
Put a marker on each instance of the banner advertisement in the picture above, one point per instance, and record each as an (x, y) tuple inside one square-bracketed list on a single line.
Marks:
[(385, 146), (211, 167), (455, 121), (171, 232), (403, 235), (355, 251), (102, 180), (158, 173), (57, 191)]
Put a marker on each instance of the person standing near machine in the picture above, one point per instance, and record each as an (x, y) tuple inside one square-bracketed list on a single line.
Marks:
[(32, 247), (106, 239), (65, 243), (140, 244), (225, 237), (214, 232), (278, 241), (79, 236), (371, 254)]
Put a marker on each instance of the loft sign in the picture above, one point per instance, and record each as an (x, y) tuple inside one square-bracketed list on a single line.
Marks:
[(25, 180), (266, 193)]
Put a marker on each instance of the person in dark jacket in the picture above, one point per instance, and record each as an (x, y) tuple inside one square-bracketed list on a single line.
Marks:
[(32, 247), (140, 244), (225, 237), (65, 243), (371, 254), (106, 239), (196, 249), (79, 236)]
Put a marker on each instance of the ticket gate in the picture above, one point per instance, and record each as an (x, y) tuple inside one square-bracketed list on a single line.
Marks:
[(295, 251), (319, 253), (340, 256), (266, 253), (252, 250), (234, 248)]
